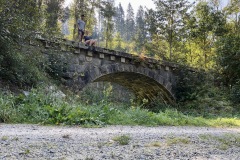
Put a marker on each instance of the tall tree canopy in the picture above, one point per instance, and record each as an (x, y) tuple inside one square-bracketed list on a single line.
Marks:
[(130, 23), (119, 20), (108, 11), (170, 15), (140, 34)]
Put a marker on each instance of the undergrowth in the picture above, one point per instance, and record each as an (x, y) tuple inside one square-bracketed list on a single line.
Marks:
[(46, 106)]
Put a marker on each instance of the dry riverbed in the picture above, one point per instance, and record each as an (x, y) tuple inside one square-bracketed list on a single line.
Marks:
[(23, 141)]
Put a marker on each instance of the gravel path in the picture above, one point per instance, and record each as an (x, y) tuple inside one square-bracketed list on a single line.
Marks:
[(21, 141)]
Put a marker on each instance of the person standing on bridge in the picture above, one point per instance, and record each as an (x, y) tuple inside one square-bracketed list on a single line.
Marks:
[(81, 27)]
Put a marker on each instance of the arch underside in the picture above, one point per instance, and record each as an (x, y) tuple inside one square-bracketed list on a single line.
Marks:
[(142, 86)]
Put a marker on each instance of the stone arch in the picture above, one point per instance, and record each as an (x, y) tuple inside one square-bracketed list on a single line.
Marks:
[(143, 82)]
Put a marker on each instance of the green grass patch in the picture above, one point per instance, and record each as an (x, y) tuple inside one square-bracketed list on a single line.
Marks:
[(122, 140), (177, 140)]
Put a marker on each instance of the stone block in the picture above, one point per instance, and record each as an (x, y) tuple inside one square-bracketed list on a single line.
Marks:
[(68, 75), (159, 67), (80, 68), (123, 60), (97, 71), (77, 51), (112, 58), (89, 59), (74, 61), (71, 68), (101, 55), (96, 62), (166, 68), (90, 53), (169, 86), (160, 80), (82, 58), (103, 69), (47, 45)]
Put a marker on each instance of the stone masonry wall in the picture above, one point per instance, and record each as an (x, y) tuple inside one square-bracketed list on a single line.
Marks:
[(146, 77)]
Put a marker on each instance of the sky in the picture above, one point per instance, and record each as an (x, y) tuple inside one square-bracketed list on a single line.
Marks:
[(136, 3)]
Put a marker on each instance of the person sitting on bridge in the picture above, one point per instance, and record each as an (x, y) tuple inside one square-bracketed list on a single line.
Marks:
[(81, 27), (89, 40)]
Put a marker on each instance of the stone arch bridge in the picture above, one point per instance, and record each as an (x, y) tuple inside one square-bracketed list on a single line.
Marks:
[(78, 65)]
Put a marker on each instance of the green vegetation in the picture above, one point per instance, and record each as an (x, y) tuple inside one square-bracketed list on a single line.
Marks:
[(223, 142), (177, 140), (44, 106), (4, 138), (122, 140)]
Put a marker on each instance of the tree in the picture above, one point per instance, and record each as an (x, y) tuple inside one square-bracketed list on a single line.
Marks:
[(54, 10), (130, 24), (119, 42), (206, 24), (64, 20), (87, 8), (233, 12), (155, 46), (228, 51), (140, 36), (169, 17), (108, 11), (119, 20), (18, 20), (151, 22)]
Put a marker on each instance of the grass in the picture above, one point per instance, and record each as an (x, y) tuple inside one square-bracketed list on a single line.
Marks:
[(177, 140), (45, 108), (154, 144), (222, 142), (4, 138), (122, 140)]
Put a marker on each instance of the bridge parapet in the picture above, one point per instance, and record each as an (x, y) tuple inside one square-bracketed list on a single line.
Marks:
[(76, 47)]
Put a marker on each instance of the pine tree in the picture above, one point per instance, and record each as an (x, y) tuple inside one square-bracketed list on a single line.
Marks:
[(108, 11), (119, 20), (54, 10), (140, 36), (130, 24)]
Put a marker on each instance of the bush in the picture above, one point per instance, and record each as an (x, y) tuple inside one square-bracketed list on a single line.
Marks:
[(235, 93)]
